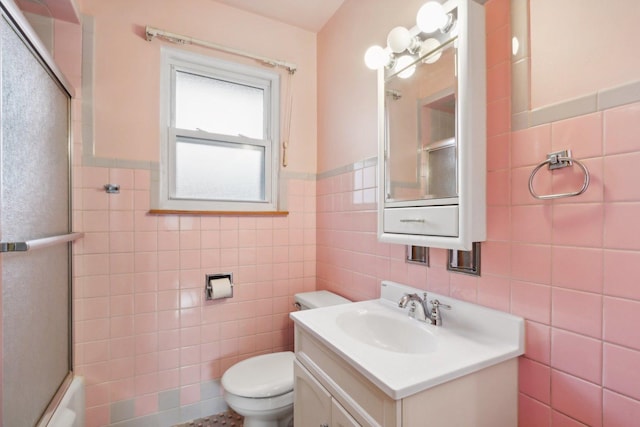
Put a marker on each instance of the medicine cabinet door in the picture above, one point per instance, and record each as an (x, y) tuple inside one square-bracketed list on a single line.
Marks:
[(421, 161)]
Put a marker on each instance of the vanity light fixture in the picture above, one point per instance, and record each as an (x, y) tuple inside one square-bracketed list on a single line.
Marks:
[(430, 45), (406, 67), (431, 18), (400, 39), (377, 57)]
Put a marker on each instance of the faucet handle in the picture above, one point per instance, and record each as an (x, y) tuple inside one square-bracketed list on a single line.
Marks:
[(436, 319), (437, 304)]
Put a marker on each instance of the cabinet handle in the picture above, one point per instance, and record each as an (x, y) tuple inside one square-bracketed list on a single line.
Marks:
[(412, 220), (324, 425)]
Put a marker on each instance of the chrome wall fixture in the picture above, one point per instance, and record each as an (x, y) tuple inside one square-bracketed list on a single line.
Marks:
[(112, 188), (417, 255), (421, 41), (218, 286), (466, 262), (559, 160)]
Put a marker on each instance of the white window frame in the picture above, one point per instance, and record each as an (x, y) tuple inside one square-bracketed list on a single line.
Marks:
[(173, 60)]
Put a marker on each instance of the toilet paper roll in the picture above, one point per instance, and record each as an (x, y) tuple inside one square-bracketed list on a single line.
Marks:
[(221, 288)]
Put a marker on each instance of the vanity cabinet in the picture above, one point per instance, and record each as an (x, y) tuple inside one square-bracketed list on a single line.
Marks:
[(432, 137), (340, 417), (330, 392), (313, 404)]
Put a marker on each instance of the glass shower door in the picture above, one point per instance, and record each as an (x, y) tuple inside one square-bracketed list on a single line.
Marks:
[(34, 204)]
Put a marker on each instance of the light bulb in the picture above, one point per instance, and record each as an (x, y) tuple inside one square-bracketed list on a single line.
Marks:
[(431, 17), (375, 57), (428, 46), (403, 64), (399, 39)]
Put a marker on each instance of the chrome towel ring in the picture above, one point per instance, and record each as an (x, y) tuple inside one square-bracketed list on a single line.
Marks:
[(557, 160)]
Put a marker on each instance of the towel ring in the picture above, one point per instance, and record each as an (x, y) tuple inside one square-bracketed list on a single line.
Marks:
[(557, 160)]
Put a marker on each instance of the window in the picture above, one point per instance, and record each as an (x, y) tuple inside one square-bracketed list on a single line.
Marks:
[(219, 139)]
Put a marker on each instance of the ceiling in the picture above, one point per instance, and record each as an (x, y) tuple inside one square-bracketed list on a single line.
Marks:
[(64, 10), (310, 15), (307, 14)]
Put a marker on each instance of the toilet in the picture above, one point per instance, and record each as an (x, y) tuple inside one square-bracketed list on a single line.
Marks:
[(261, 388)]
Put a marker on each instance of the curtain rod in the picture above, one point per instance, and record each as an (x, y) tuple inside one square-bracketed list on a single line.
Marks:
[(152, 32)]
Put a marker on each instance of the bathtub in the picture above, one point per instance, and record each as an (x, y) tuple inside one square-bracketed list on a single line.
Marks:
[(70, 409)]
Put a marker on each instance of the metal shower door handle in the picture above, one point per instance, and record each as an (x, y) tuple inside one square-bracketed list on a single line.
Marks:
[(34, 244)]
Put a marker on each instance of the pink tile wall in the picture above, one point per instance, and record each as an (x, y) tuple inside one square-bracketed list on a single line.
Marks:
[(568, 266), (142, 325)]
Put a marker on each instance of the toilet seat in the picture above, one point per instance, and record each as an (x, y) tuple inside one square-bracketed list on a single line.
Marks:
[(264, 376)]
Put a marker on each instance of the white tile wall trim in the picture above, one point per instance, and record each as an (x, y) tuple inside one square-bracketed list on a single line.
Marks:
[(170, 412)]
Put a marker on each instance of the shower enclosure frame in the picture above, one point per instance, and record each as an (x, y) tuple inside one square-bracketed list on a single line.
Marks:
[(14, 18)]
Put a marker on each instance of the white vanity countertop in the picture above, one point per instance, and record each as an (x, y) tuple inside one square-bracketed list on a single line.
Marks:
[(403, 356)]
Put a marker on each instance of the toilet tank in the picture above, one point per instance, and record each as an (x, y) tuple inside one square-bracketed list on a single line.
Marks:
[(316, 299)]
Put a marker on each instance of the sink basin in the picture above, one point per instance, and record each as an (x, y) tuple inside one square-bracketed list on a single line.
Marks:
[(403, 356), (391, 333)]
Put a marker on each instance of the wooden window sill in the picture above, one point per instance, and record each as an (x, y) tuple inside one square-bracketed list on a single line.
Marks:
[(217, 213)]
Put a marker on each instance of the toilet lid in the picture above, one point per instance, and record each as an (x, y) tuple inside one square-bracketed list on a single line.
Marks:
[(261, 376)]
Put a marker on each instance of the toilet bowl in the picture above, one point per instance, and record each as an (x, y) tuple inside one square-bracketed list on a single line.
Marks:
[(261, 388)]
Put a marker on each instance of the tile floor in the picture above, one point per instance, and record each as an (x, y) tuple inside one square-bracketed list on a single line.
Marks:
[(227, 419)]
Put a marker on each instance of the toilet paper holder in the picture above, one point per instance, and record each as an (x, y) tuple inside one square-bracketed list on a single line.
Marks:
[(211, 279)]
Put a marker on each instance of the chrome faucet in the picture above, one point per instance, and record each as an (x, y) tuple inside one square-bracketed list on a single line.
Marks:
[(423, 314)]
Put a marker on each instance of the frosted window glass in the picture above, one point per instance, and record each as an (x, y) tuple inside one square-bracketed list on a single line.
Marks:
[(218, 106), (222, 129), (219, 171)]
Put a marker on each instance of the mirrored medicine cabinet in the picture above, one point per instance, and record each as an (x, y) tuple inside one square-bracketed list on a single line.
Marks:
[(432, 138)]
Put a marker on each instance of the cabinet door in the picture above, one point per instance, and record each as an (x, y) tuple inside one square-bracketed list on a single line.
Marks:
[(311, 401), (340, 417)]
